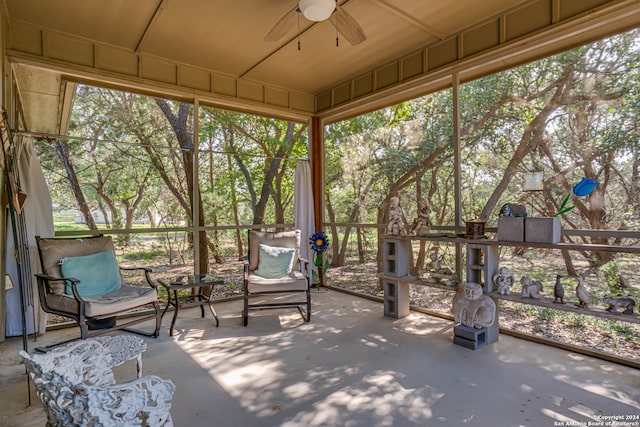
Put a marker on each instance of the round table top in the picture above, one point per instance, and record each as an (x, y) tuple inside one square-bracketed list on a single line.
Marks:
[(122, 347)]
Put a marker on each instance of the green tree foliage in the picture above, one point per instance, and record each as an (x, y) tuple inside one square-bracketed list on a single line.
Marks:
[(571, 115)]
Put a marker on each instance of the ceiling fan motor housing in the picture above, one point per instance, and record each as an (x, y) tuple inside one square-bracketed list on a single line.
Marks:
[(317, 10)]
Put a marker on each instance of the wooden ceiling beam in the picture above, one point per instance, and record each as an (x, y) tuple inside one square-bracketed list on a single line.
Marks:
[(153, 19), (410, 19)]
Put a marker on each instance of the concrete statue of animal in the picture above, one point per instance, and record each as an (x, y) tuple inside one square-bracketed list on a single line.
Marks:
[(558, 291), (472, 308), (503, 281), (624, 302), (512, 209), (531, 288), (582, 294)]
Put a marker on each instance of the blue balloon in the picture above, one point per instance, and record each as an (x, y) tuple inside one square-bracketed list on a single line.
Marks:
[(585, 187)]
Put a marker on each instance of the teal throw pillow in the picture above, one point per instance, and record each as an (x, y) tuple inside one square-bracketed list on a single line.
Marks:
[(275, 262), (98, 273)]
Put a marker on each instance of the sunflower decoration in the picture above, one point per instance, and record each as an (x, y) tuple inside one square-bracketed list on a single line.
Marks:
[(319, 243)]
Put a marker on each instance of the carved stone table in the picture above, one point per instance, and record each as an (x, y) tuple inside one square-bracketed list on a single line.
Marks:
[(121, 347)]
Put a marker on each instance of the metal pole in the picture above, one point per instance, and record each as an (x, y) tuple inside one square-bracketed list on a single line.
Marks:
[(6, 139)]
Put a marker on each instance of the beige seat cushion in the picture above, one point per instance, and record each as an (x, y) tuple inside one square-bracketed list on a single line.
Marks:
[(295, 282), (53, 250), (125, 298), (283, 239)]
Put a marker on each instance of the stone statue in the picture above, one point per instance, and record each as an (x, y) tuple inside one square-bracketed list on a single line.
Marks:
[(503, 281), (436, 264), (624, 302), (472, 308), (531, 288), (438, 271), (582, 294), (558, 291), (396, 218), (422, 224), (512, 209)]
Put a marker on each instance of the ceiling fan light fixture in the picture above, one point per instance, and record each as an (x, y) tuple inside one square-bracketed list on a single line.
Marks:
[(317, 10)]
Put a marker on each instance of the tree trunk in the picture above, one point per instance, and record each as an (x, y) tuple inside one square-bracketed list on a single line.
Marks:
[(62, 152), (185, 139), (531, 138)]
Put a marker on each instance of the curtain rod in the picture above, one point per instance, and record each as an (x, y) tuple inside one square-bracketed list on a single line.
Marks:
[(42, 135)]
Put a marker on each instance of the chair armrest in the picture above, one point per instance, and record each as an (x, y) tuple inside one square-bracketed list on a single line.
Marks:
[(43, 278), (305, 266), (147, 274), (54, 279), (147, 398), (136, 268)]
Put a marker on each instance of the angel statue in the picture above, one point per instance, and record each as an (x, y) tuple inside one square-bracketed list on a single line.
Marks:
[(396, 218)]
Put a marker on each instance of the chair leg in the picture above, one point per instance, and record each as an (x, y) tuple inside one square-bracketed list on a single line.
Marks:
[(156, 307), (245, 312), (306, 315), (84, 328)]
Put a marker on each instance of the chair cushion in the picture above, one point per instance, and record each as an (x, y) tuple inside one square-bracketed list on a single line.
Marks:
[(98, 273), (275, 262), (52, 250), (283, 239), (295, 282), (124, 299)]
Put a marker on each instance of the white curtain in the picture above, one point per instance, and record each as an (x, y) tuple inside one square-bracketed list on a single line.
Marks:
[(38, 218), (303, 207)]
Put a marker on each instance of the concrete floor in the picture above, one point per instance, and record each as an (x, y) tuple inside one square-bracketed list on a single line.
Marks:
[(351, 366)]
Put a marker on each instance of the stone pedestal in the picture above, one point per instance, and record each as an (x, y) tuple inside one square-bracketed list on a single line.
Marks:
[(396, 298), (397, 260), (482, 264), (473, 338)]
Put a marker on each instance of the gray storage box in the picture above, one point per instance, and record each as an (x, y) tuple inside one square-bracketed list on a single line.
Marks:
[(542, 230), (511, 228)]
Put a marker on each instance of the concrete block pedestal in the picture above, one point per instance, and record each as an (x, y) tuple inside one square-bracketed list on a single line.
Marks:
[(396, 264), (473, 338), (396, 298)]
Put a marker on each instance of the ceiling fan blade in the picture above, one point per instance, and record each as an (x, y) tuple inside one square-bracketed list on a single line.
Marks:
[(282, 26), (347, 26)]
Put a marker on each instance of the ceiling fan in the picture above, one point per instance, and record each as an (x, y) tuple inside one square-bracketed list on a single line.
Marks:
[(317, 11)]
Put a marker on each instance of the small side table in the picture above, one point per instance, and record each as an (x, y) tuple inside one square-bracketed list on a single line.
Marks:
[(201, 286), (121, 348)]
